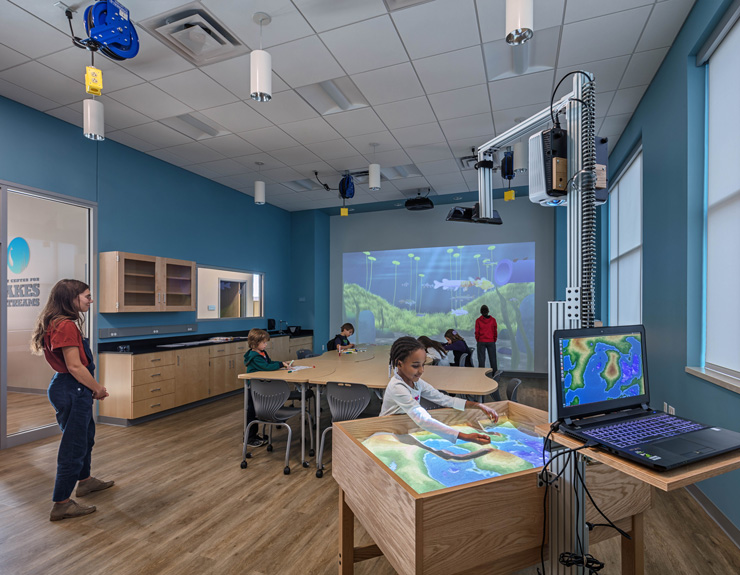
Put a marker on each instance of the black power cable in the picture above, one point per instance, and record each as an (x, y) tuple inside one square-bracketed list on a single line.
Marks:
[(326, 186), (554, 118)]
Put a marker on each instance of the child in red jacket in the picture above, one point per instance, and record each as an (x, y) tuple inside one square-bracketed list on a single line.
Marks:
[(486, 334)]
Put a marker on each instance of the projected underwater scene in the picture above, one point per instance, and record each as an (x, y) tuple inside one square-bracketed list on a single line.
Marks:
[(426, 291), (427, 462)]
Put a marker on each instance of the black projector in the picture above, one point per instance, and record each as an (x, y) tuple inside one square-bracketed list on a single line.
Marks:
[(419, 203)]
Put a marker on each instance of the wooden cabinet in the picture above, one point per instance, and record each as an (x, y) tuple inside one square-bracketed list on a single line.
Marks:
[(278, 348), (191, 375), (297, 343), (225, 364), (136, 283), (138, 385)]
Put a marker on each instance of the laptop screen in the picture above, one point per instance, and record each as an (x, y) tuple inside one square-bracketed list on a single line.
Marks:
[(599, 370)]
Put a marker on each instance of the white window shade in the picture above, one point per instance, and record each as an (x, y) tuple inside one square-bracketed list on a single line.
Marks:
[(723, 208)]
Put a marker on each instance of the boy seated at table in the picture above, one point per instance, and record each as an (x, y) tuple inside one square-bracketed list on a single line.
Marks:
[(256, 359), (341, 341)]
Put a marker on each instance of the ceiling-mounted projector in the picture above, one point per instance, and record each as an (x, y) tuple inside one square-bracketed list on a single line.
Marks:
[(419, 203)]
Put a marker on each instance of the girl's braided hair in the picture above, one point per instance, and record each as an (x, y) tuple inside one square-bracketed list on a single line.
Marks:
[(402, 348)]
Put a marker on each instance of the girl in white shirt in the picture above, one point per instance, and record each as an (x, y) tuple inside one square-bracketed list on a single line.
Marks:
[(406, 388), (435, 351)]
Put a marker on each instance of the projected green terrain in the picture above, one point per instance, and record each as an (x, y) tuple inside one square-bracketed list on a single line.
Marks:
[(427, 462)]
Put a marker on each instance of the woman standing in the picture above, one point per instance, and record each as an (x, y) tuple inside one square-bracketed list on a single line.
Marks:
[(58, 336), (486, 334)]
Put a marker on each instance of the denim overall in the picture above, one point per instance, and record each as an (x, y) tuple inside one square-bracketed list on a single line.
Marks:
[(73, 404)]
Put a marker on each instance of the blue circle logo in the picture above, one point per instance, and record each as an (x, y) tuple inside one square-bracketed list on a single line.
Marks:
[(19, 254)]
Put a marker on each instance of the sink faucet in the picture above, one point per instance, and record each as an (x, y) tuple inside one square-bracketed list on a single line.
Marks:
[(280, 324)]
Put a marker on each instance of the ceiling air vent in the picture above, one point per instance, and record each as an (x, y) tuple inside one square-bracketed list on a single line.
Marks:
[(196, 34)]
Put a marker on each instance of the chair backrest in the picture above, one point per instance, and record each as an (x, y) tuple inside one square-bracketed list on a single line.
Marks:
[(465, 361), (346, 400), (304, 353), (512, 389), (268, 395), (428, 405)]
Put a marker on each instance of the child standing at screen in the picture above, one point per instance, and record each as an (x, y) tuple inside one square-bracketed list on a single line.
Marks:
[(256, 359), (457, 345), (406, 388), (486, 334)]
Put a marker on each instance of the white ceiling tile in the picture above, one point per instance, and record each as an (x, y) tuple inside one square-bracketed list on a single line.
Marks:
[(71, 115), (624, 29), (196, 152), (280, 175), (159, 135), (469, 127), (451, 70), (642, 67), (455, 178), (462, 102), (169, 157), (234, 75), (366, 45), (150, 101), (664, 23), (350, 163), (118, 116), (15, 92), (471, 178), (585, 9), (268, 162), (390, 158), (439, 167), (356, 122), (225, 167), (389, 84), (287, 22), (268, 139), (413, 183), (237, 117), (284, 107), (240, 181), (332, 149), (307, 170), (614, 124), (73, 61), (603, 101), (155, 60), (521, 91), (547, 13), (305, 61), (29, 35), (456, 23), (46, 82), (202, 170), (468, 146), (195, 89), (386, 142), (10, 58), (419, 135), (607, 74), (625, 101), (324, 15), (128, 140), (505, 61), (143, 9), (429, 152), (311, 130), (406, 112), (295, 155), (231, 146)]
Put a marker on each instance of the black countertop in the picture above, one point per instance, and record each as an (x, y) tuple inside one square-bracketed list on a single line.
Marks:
[(137, 346)]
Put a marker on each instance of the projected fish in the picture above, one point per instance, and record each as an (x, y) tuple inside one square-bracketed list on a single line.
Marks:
[(481, 283), (460, 311)]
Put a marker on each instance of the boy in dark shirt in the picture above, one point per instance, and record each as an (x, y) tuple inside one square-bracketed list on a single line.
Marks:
[(341, 341)]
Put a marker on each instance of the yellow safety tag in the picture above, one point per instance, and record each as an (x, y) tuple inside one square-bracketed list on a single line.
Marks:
[(93, 80), (343, 211), (509, 195)]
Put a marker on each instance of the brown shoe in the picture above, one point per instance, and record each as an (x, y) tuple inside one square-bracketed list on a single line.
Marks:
[(69, 509), (90, 485)]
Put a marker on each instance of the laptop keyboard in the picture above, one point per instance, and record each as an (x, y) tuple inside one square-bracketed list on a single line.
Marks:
[(633, 432)]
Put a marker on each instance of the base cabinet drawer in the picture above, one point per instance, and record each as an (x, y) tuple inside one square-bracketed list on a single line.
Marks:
[(152, 405), (152, 374), (145, 360), (152, 390)]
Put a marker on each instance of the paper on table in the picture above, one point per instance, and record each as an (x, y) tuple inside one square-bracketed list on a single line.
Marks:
[(293, 368)]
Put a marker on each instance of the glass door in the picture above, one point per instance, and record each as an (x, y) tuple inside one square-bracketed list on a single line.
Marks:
[(45, 238)]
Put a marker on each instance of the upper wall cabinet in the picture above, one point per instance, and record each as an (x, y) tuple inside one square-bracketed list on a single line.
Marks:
[(134, 282)]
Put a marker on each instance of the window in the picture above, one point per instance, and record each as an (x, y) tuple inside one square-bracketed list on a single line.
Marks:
[(224, 293), (723, 209), (625, 245)]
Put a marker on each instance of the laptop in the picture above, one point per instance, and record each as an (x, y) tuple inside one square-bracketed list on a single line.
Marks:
[(603, 396)]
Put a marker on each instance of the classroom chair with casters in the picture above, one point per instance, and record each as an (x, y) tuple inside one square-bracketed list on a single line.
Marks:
[(496, 395), (465, 359), (346, 401), (512, 389), (268, 396), (304, 353)]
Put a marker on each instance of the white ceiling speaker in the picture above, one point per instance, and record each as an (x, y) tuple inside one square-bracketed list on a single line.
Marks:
[(93, 119), (260, 64), (521, 157), (519, 21), (259, 187), (373, 172)]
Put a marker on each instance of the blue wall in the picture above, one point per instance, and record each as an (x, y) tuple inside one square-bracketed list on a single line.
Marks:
[(670, 123), (150, 207)]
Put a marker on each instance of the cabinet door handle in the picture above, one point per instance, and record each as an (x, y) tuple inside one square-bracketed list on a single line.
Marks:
[(220, 350), (155, 375), (155, 405), (159, 297), (155, 389), (157, 359), (164, 297)]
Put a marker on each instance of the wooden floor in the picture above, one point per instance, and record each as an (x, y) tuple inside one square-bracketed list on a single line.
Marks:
[(28, 411), (183, 506)]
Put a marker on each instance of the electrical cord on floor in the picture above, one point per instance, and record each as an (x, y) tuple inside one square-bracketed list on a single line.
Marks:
[(588, 561)]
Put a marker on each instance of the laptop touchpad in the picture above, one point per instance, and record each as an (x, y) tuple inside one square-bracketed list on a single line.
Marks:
[(683, 446)]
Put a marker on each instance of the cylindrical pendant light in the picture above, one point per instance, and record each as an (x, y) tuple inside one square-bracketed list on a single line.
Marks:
[(93, 119), (521, 157), (373, 181), (259, 193), (519, 21), (260, 64)]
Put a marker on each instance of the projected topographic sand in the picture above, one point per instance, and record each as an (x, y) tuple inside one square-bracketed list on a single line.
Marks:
[(427, 462)]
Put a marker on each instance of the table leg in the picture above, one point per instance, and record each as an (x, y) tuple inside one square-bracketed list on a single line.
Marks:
[(318, 423), (303, 425), (346, 537), (633, 552)]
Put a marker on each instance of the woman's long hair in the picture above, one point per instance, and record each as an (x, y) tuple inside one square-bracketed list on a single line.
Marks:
[(60, 305), (429, 342)]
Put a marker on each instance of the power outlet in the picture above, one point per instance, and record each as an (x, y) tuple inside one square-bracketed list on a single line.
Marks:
[(665, 406), (671, 410), (323, 346)]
